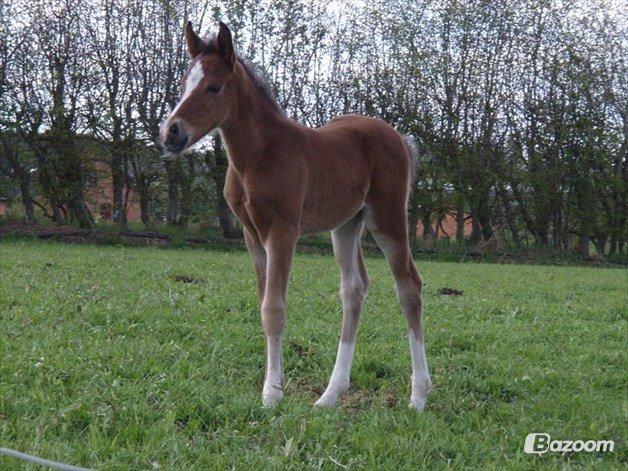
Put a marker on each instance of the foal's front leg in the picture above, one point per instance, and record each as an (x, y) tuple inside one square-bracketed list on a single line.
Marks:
[(258, 255), (279, 251)]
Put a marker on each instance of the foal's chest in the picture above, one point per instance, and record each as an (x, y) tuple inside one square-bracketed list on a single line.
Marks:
[(259, 204)]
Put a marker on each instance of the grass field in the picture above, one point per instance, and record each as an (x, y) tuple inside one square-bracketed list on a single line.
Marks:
[(109, 362)]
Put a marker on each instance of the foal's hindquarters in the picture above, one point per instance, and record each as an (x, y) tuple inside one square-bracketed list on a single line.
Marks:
[(382, 208), (384, 214)]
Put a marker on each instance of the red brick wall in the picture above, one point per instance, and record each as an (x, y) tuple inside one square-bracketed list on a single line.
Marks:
[(446, 227), (99, 196)]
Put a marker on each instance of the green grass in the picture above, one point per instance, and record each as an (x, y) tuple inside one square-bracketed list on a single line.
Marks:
[(107, 362)]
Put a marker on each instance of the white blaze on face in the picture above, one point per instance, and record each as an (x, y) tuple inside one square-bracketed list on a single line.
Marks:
[(194, 78)]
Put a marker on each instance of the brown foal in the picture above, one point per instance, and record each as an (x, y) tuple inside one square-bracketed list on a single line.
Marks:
[(285, 180)]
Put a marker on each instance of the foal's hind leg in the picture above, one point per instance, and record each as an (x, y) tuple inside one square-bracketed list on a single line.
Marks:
[(389, 230), (354, 282)]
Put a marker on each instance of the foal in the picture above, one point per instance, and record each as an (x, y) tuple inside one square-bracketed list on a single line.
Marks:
[(285, 180)]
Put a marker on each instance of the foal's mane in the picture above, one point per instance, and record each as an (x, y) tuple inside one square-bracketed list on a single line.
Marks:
[(260, 82)]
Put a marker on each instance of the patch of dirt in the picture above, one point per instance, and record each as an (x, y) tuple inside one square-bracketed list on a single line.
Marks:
[(142, 239), (197, 240), (144, 234), (74, 235), (181, 423), (391, 399), (186, 279), (354, 398), (17, 227), (62, 231), (299, 349), (451, 291), (303, 386), (73, 238)]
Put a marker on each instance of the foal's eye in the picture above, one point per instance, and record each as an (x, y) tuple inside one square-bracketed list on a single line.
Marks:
[(215, 88)]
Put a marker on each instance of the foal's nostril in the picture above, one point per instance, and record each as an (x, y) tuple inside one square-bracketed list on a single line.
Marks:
[(176, 138)]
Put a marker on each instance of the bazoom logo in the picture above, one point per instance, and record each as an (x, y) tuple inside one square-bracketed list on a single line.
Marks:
[(541, 443)]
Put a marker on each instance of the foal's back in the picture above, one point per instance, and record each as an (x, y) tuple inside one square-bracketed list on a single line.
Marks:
[(352, 161)]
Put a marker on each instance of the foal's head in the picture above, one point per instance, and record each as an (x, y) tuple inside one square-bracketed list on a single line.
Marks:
[(206, 92)]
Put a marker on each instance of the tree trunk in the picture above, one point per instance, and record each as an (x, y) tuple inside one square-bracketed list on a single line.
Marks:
[(23, 176), (81, 212), (612, 250), (187, 192), (413, 220), (144, 214), (428, 231), (76, 204), (558, 223), (585, 214), (141, 184), (485, 223), (50, 191), (118, 180), (460, 223), (583, 245), (57, 213), (172, 216), (476, 232), (600, 245), (142, 187), (27, 201), (508, 214), (541, 233), (70, 172), (523, 209)]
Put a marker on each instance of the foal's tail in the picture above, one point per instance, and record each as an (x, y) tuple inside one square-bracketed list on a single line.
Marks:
[(413, 152)]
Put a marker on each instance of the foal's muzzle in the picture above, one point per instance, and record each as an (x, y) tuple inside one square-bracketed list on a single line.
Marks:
[(176, 138)]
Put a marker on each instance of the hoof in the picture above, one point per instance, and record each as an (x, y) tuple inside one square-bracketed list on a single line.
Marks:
[(325, 402), (418, 404), (272, 398), (330, 396)]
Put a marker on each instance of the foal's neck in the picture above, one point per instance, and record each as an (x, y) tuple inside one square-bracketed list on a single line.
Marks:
[(252, 125)]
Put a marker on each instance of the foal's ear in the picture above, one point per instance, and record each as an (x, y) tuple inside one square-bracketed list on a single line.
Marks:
[(225, 45), (195, 44)]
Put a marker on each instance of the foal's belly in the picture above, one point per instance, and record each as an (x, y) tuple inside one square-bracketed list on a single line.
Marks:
[(323, 213), (316, 227)]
